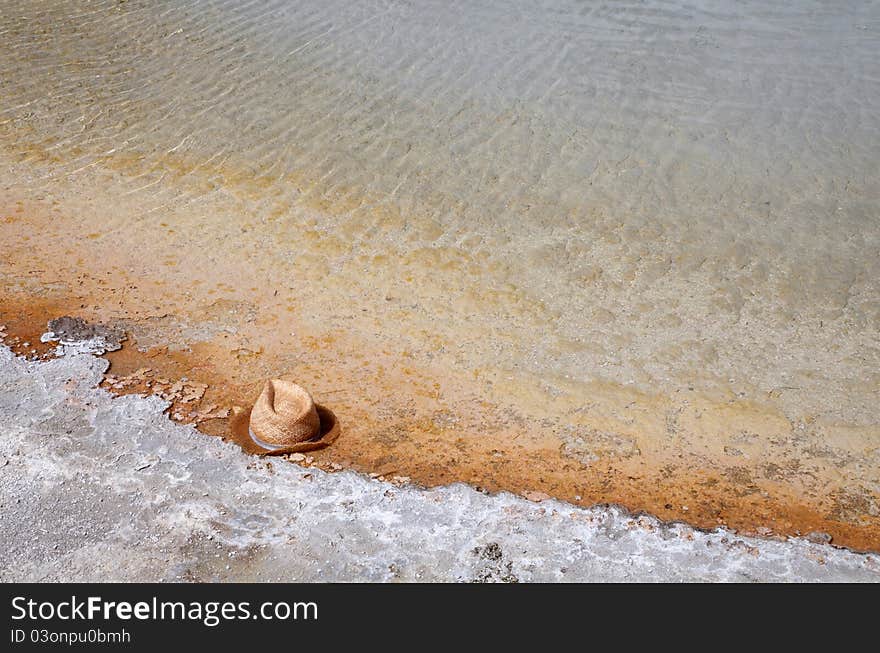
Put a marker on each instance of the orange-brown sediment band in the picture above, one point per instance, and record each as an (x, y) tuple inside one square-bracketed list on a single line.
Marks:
[(408, 445), (434, 423)]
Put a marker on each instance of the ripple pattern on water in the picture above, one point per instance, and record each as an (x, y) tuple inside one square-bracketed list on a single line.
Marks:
[(654, 192)]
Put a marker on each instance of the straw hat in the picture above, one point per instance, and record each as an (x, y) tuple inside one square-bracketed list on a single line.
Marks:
[(285, 419)]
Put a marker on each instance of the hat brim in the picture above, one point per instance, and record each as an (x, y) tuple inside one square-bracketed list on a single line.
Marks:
[(240, 425)]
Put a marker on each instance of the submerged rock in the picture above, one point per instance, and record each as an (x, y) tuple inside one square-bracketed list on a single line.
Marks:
[(76, 336)]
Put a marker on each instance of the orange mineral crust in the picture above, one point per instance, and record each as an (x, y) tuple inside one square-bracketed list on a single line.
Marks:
[(208, 336)]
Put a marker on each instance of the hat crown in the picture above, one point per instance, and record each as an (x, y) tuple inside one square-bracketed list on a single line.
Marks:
[(284, 414)]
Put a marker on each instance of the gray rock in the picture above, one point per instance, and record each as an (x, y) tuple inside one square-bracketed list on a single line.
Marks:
[(76, 336)]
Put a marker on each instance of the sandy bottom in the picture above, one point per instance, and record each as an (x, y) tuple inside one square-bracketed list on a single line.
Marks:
[(706, 459)]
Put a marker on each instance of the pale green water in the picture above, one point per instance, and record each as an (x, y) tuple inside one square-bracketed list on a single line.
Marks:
[(663, 194)]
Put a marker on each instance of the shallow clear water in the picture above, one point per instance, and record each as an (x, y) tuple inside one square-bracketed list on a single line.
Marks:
[(663, 194)]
